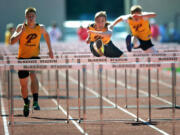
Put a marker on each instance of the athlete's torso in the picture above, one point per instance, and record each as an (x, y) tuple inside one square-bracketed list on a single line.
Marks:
[(94, 37), (29, 42), (140, 29)]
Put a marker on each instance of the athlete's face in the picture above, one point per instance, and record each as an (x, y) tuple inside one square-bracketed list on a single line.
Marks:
[(31, 17), (136, 16), (100, 22)]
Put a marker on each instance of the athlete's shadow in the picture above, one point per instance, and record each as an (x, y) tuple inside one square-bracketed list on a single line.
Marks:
[(58, 119), (17, 115), (162, 108), (142, 123)]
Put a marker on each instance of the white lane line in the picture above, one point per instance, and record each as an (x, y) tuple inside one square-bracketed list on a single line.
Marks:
[(120, 108), (142, 91), (153, 80), (64, 111), (6, 131), (161, 82)]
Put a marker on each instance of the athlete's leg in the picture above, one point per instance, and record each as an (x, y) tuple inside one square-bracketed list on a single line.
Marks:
[(23, 78), (94, 52), (110, 50), (24, 87), (132, 42), (135, 42), (34, 83), (34, 90), (24, 91), (129, 44)]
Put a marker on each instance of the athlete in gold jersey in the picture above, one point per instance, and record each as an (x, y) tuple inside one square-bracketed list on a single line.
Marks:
[(28, 34), (140, 29), (29, 42), (100, 37)]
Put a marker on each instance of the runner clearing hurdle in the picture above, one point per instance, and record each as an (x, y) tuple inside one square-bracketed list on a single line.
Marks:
[(99, 37), (140, 29), (28, 34)]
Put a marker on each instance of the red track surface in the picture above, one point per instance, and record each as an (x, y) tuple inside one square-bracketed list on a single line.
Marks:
[(118, 127)]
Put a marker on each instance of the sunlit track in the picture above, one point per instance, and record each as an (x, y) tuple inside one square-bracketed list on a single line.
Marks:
[(64, 111), (119, 107), (141, 91)]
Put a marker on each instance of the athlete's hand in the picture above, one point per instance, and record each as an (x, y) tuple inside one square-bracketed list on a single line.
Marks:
[(51, 55), (111, 27), (88, 40), (23, 27)]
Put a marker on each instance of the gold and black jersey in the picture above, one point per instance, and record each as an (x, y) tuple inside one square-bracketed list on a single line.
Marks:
[(140, 29), (94, 37), (29, 42)]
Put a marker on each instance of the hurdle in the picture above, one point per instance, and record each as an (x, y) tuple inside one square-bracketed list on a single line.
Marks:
[(85, 60), (149, 82), (135, 54), (115, 85), (122, 60), (167, 58), (10, 88)]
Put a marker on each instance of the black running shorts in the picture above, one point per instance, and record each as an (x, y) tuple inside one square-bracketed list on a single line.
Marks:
[(110, 50), (25, 73), (144, 45)]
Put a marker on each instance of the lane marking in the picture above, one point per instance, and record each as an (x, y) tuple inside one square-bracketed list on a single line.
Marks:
[(64, 111), (6, 131), (142, 91), (118, 107), (160, 81)]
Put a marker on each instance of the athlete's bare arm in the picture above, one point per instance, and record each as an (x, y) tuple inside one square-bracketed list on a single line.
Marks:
[(17, 34), (47, 39), (88, 40), (108, 33), (144, 15), (120, 19)]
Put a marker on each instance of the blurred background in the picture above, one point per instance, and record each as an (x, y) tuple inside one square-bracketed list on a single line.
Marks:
[(69, 15)]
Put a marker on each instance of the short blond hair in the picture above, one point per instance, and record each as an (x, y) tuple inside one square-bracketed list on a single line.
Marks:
[(136, 8), (29, 10), (100, 14)]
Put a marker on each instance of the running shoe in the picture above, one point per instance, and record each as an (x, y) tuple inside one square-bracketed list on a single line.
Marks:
[(98, 47), (26, 109), (99, 43), (129, 45), (36, 106)]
